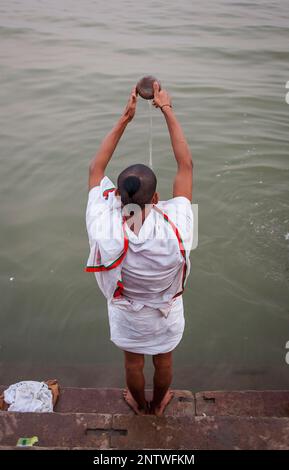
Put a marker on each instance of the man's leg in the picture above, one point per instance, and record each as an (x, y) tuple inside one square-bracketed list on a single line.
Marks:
[(163, 375), (135, 395)]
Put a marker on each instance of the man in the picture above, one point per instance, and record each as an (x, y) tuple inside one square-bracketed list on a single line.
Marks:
[(139, 251)]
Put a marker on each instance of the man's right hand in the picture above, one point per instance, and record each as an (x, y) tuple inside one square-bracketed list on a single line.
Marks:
[(161, 97)]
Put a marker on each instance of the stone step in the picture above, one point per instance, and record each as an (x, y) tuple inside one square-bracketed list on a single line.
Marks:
[(185, 403), (100, 419), (95, 400), (243, 403), (118, 431), (110, 400)]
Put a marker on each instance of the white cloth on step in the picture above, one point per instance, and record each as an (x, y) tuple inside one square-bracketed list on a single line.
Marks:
[(29, 396)]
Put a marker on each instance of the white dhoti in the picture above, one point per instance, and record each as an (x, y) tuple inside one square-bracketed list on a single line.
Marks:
[(146, 331)]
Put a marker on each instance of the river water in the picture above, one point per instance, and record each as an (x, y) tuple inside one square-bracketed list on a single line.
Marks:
[(67, 68)]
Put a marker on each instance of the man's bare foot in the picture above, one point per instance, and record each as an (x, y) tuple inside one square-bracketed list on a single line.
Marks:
[(159, 409), (133, 404)]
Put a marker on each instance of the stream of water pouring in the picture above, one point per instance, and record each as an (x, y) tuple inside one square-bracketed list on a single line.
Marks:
[(150, 134)]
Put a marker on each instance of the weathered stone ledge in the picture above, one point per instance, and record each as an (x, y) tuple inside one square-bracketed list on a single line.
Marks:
[(100, 419)]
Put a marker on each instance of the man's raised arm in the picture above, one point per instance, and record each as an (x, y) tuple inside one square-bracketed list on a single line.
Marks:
[(100, 161), (183, 183)]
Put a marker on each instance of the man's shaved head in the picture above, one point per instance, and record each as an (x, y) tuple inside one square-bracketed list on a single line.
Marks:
[(137, 185)]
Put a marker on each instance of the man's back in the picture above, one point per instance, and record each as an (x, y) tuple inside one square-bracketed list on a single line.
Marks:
[(156, 263)]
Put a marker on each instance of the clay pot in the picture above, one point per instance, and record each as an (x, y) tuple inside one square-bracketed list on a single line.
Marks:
[(145, 87)]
